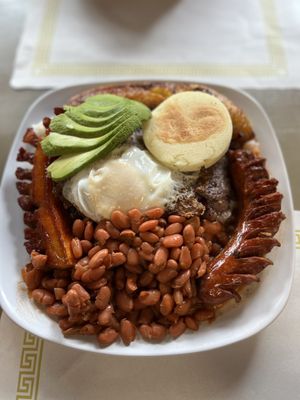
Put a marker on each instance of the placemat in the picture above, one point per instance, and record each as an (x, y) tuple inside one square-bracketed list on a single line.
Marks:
[(241, 43), (264, 367)]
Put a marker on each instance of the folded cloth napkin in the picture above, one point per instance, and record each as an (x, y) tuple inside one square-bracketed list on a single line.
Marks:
[(244, 43), (265, 366)]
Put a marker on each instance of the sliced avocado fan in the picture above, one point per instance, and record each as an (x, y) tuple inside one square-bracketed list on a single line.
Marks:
[(67, 165), (90, 131), (65, 125)]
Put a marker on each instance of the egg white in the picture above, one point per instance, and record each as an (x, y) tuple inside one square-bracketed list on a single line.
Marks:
[(128, 178)]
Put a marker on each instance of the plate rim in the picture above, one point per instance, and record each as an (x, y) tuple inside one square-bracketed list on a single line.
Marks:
[(126, 351)]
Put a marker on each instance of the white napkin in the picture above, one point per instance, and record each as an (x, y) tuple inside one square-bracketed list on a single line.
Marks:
[(244, 43), (264, 367)]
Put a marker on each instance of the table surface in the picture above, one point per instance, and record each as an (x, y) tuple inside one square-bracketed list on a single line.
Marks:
[(282, 106)]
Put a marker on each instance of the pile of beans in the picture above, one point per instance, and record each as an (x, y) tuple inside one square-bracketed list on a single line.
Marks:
[(137, 272)]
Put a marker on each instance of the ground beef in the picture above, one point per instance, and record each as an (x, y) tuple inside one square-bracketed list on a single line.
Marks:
[(187, 204), (215, 192)]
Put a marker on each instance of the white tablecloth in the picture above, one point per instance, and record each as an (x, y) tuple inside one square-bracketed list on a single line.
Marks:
[(251, 43), (264, 367)]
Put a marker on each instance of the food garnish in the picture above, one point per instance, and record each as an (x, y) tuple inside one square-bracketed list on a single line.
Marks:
[(90, 131)]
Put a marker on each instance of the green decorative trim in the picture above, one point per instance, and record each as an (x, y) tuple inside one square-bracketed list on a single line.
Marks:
[(298, 239), (275, 67), (30, 367)]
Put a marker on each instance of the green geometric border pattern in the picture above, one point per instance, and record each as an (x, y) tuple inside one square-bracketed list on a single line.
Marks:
[(276, 65), (30, 367)]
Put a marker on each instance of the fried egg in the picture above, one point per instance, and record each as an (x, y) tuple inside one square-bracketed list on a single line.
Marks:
[(128, 178)]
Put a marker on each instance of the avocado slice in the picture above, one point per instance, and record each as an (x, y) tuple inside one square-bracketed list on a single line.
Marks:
[(86, 120), (66, 126), (90, 131), (67, 165), (56, 144), (105, 99), (142, 111), (95, 111)]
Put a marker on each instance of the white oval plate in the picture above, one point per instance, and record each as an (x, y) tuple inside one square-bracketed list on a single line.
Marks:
[(259, 307)]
